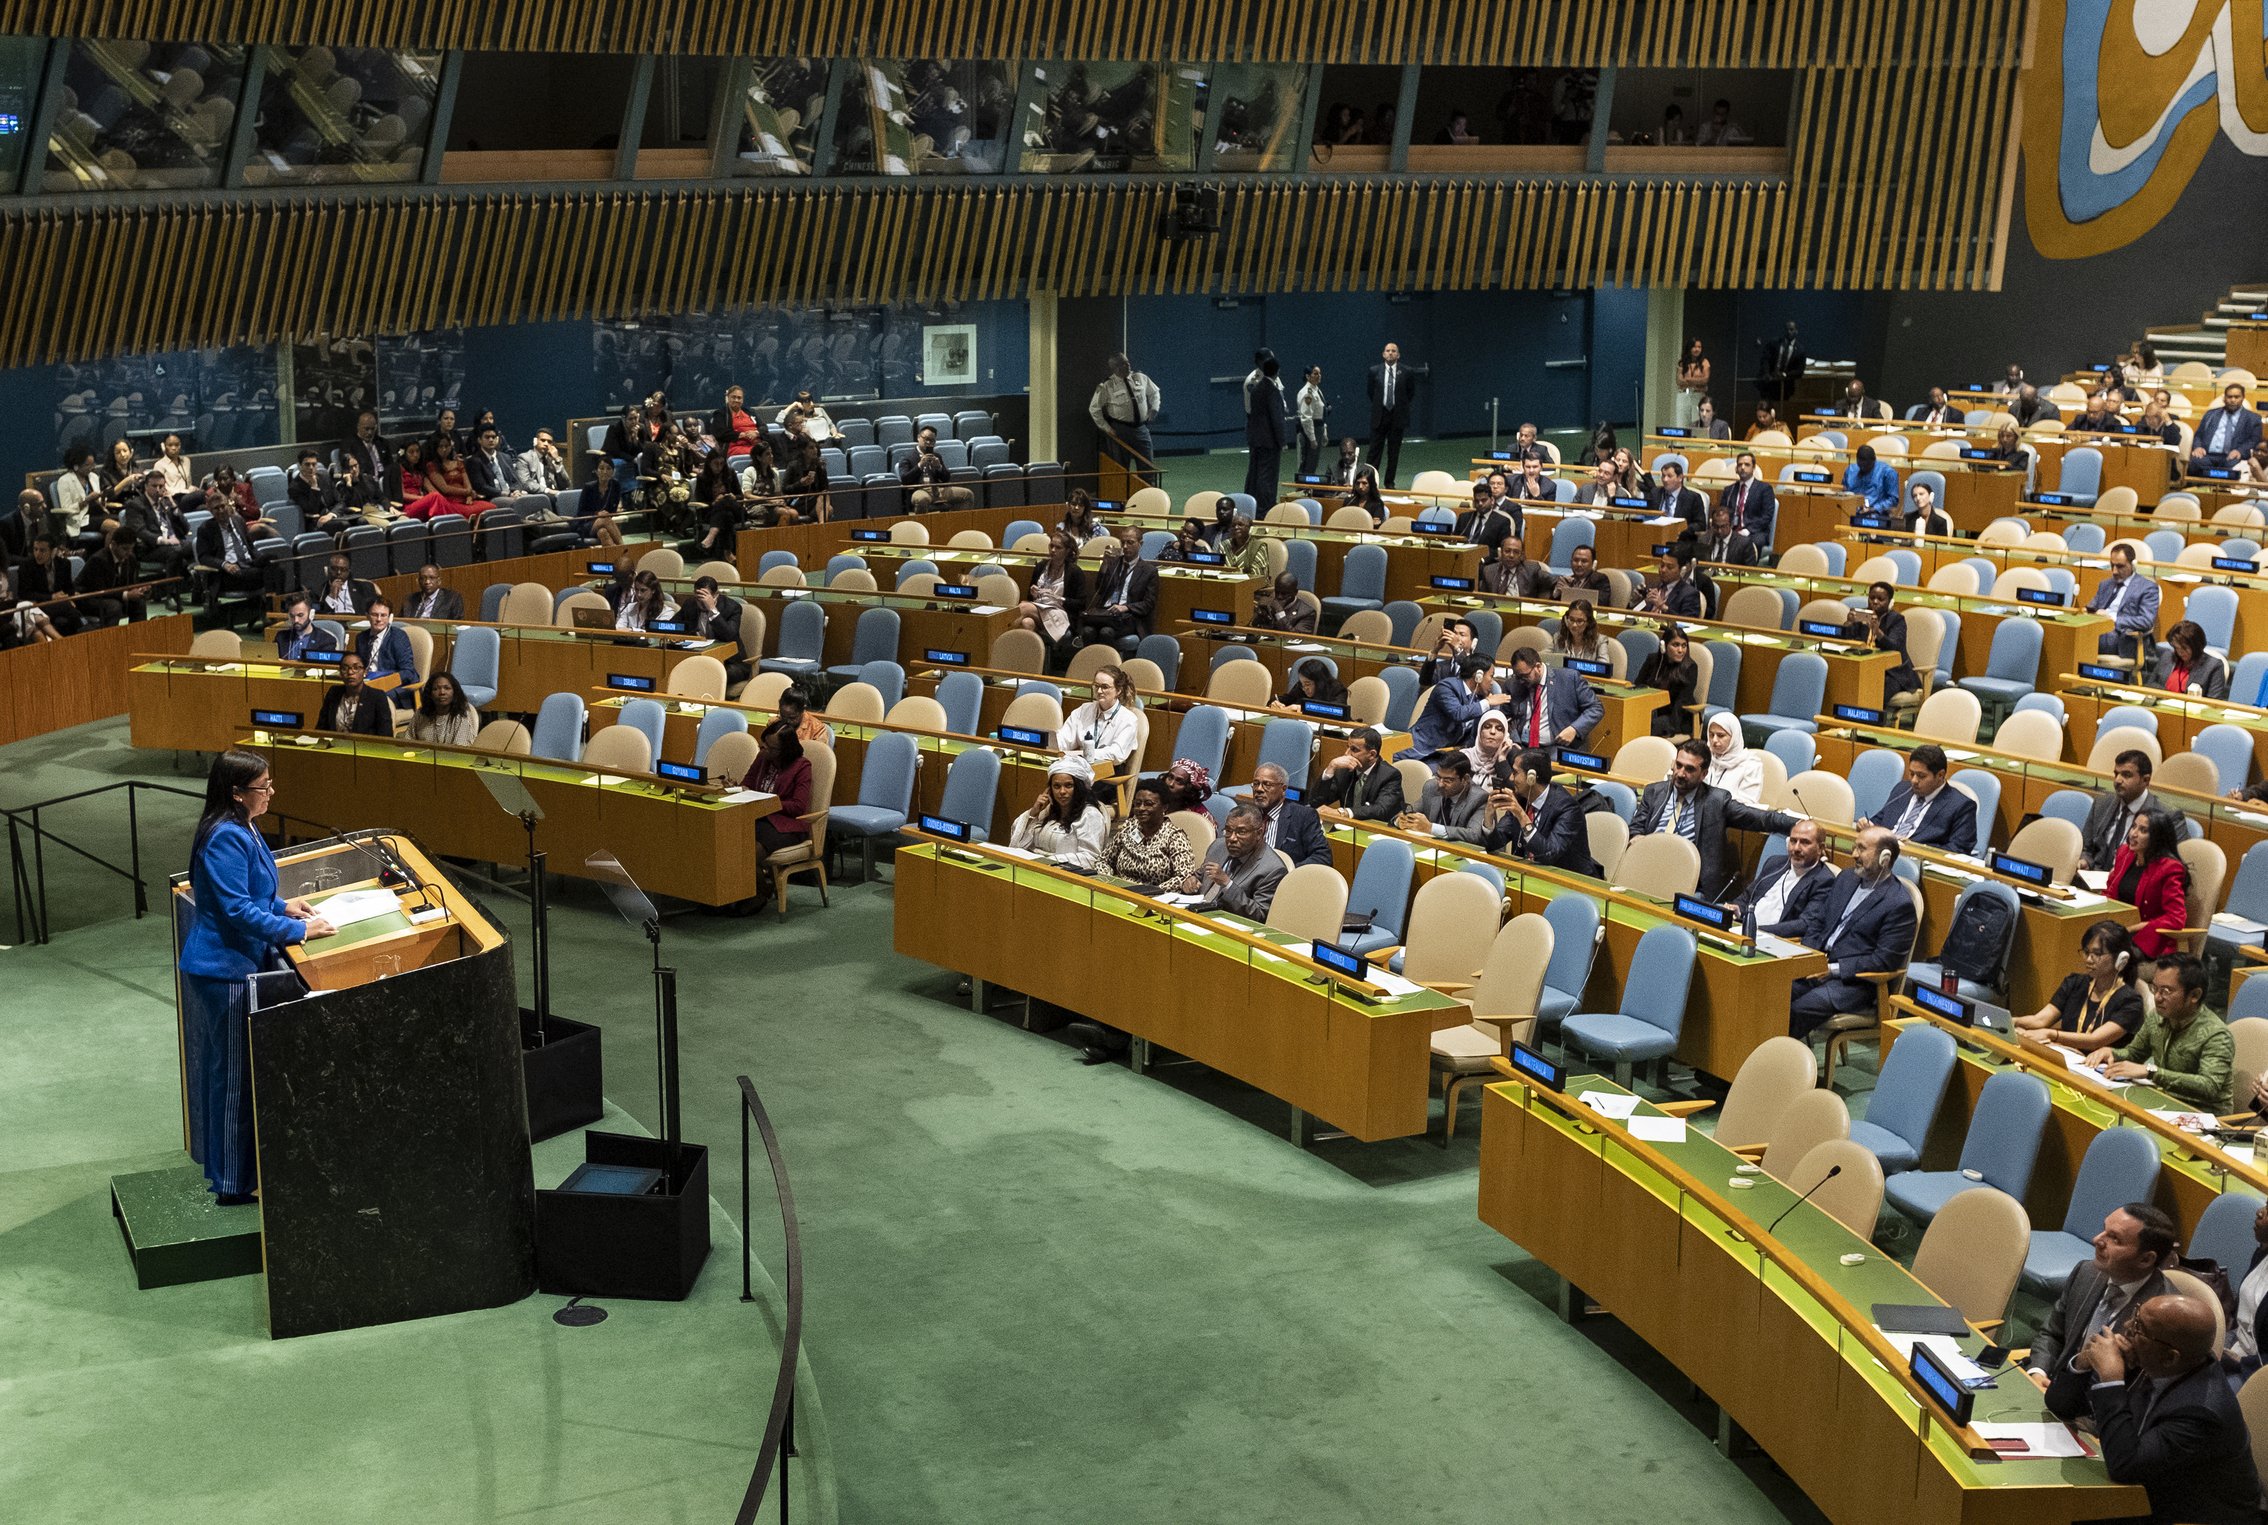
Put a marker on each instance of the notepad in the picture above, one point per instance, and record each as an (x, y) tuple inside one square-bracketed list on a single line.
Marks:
[(1658, 1130), (741, 797), (351, 906), (1607, 1104), (2033, 1442), (1780, 947), (2187, 1122)]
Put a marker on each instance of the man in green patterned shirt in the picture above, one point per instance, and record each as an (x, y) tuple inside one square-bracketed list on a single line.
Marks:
[(2181, 1048)]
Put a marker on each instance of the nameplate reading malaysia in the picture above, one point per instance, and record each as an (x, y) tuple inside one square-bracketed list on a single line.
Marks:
[(1858, 714)]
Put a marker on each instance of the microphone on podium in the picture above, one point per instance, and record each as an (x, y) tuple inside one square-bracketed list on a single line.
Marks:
[(1832, 1172)]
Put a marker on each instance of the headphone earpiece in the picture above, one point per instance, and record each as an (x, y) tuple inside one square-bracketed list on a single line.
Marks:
[(2120, 963)]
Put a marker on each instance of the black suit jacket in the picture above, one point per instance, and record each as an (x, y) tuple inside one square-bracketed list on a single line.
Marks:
[(1299, 834), (1754, 506), (1878, 939), (448, 604), (209, 541), (1688, 505), (1405, 391), (1795, 910), (374, 716), (494, 484), (2185, 1444), (377, 460), (1740, 551), (1719, 813), (1141, 593), (1559, 836), (1372, 796), (1949, 822), (2059, 1338), (723, 625), (364, 593)]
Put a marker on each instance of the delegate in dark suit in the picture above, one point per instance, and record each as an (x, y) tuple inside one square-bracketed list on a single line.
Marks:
[(389, 651), (1267, 425), (1372, 794), (1715, 813), (1457, 820), (719, 624), (2208, 675), (373, 716), (2183, 1440), (1124, 602), (1754, 507), (2107, 822), (2223, 437), (2065, 1331), (1392, 388), (1688, 505), (1949, 820), (1298, 833), (1796, 899), (1450, 717), (440, 604), (1875, 938), (1569, 704), (1558, 834)]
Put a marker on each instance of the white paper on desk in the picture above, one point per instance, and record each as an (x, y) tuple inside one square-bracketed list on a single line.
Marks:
[(1658, 1130), (2042, 1442), (1390, 982), (986, 609), (2096, 879), (742, 797), (2238, 923), (1013, 852), (1177, 899), (1607, 1104), (350, 906), (2187, 1122), (1780, 947), (1965, 1371), (1303, 645), (697, 643)]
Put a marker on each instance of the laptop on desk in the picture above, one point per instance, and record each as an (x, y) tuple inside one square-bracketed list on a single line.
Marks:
[(594, 619)]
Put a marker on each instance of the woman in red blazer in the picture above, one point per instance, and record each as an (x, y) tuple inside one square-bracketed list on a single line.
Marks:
[(2148, 874)]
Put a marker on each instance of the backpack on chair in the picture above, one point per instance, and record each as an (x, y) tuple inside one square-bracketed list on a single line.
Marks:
[(1976, 948)]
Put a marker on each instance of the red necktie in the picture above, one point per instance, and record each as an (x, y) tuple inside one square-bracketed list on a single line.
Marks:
[(1535, 717)]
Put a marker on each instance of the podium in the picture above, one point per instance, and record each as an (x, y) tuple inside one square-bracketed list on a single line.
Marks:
[(389, 1109)]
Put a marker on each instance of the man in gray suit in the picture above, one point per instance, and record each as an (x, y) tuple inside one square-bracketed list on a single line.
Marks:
[(1450, 807), (2115, 811), (1239, 873), (2131, 1253)]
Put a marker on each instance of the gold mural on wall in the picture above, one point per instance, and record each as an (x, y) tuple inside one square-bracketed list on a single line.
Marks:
[(2121, 102)]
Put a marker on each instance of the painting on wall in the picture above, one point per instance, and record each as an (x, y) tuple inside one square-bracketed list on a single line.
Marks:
[(2120, 105), (948, 354)]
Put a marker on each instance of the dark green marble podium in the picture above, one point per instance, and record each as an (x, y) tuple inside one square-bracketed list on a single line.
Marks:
[(390, 1114)]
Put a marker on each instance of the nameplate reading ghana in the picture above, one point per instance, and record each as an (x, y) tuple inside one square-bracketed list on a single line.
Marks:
[(2103, 674), (1952, 1008), (2019, 868), (1574, 759), (1323, 711), (684, 773), (287, 719), (1537, 1068), (1694, 908), (1858, 714), (1018, 736), (630, 681), (1331, 956), (938, 826), (1454, 584), (1212, 616)]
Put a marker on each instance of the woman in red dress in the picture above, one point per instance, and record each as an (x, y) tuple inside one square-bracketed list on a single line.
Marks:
[(419, 501), (445, 476)]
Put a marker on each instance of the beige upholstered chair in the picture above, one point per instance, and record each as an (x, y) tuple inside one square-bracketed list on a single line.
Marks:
[(1804, 561), (1034, 712), (1367, 698), (506, 736), (1873, 570), (2251, 1063), (1146, 676), (2188, 1284), (970, 540), (1853, 1198), (909, 532), (661, 561), (1147, 501), (1664, 863), (1950, 715), (621, 747), (582, 598), (1088, 660), (999, 590), (2208, 869), (917, 712), (1287, 513), (529, 603), (1503, 1002), (1348, 518), (1609, 838), (783, 576), (1956, 578), (2193, 771), (1823, 796), (1310, 903), (810, 855), (1812, 1119), (853, 580), (1246, 683), (1523, 637), (1018, 651), (698, 677), (2123, 738), (732, 755), (919, 584), (1371, 626), (2055, 844), (1973, 1252), (1644, 757), (857, 703), (1452, 917), (1433, 483), (1199, 505), (764, 690), (1033, 544), (1414, 777), (1197, 826), (1756, 606), (2035, 734), (724, 572), (1774, 1074), (1824, 611)]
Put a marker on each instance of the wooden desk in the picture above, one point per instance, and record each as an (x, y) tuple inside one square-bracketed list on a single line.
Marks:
[(2192, 1170), (684, 841), (2180, 718), (193, 704), (1768, 1322), (1282, 653), (51, 685), (1738, 999), (1176, 982), (924, 625), (1854, 671), (2248, 347)]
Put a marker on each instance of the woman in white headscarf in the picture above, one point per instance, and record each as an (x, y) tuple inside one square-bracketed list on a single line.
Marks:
[(1064, 822), (1732, 767), (1492, 752)]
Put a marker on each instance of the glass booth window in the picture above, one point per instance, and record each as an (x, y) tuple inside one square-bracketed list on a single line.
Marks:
[(780, 107), (1261, 109), (334, 115), (924, 116), (143, 116), (1113, 118), (21, 62)]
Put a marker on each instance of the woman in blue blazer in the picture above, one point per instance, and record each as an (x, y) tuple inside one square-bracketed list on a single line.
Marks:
[(237, 926)]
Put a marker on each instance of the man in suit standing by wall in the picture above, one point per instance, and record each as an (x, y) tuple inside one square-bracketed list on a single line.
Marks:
[(1392, 389), (2169, 1420), (2131, 1253), (1267, 426), (1864, 924)]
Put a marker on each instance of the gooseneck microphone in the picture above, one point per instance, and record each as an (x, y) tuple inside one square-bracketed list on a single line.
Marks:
[(1832, 1172)]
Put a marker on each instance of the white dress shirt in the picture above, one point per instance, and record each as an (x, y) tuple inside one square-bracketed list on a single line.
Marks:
[(1106, 740), (1079, 844), (2249, 1293)]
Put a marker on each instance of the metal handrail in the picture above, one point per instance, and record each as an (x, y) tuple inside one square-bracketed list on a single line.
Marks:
[(779, 1422), (29, 885)]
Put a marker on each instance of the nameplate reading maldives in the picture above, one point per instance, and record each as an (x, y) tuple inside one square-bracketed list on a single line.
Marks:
[(630, 681)]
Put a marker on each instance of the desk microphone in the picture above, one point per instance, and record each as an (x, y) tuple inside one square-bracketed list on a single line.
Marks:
[(1832, 1172), (393, 870)]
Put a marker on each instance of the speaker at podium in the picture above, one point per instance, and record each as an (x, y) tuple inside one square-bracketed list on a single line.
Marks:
[(390, 1113)]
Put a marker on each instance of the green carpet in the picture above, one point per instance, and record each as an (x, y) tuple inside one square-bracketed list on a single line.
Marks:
[(1038, 1292), (1223, 470)]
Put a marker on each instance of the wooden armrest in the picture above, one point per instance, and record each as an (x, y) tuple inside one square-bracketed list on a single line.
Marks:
[(1987, 1326), (1883, 976), (1750, 1151), (2239, 1120), (1683, 1108), (1380, 956)]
